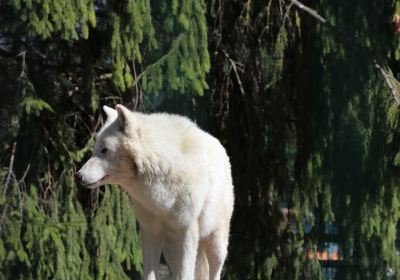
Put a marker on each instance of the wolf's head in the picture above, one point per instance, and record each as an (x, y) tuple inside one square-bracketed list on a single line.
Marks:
[(111, 163)]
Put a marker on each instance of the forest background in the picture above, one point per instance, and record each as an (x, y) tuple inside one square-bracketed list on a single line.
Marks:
[(303, 95)]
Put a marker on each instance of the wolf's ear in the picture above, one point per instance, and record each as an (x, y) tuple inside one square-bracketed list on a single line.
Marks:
[(110, 112), (125, 119)]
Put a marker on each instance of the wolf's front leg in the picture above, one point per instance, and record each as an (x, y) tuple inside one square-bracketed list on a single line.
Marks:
[(185, 259), (152, 243)]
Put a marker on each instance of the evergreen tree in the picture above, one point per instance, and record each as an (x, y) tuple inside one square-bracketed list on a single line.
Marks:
[(303, 95), (298, 96), (59, 61)]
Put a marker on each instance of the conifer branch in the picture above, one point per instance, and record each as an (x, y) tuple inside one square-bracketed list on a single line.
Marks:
[(391, 82), (7, 182), (174, 47), (3, 216)]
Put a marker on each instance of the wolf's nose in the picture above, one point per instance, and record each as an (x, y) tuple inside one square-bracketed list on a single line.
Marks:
[(78, 176)]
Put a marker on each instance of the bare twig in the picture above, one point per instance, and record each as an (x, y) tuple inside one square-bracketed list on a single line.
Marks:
[(25, 173), (23, 66), (10, 168), (6, 53), (105, 76), (41, 55), (235, 70), (391, 83), (287, 13), (308, 10), (137, 90), (3, 216), (237, 76)]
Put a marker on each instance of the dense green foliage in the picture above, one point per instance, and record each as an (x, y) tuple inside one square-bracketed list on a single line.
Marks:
[(308, 111), (312, 130), (360, 133), (59, 61)]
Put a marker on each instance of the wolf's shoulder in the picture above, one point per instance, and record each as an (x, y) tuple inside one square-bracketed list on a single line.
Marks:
[(176, 130), (166, 121)]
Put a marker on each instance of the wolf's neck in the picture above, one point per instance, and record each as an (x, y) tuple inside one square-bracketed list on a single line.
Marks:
[(148, 160), (153, 165), (138, 187), (132, 188)]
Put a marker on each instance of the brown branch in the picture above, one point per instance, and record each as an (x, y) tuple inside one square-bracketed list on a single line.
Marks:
[(237, 76), (10, 167), (137, 99), (308, 10), (233, 65), (6, 53), (25, 173)]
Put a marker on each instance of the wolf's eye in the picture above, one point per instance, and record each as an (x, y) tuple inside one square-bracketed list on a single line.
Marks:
[(103, 151)]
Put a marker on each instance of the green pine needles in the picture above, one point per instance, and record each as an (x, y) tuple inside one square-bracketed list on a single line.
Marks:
[(166, 39), (307, 109), (66, 57), (56, 239)]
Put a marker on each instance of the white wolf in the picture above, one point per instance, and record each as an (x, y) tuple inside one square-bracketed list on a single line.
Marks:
[(179, 180)]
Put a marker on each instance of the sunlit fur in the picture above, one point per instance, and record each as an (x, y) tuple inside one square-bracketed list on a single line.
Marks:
[(179, 180)]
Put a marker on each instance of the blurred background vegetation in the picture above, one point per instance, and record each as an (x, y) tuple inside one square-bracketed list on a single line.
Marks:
[(303, 95)]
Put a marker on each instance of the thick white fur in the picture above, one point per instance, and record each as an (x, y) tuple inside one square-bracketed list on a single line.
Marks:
[(179, 180)]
